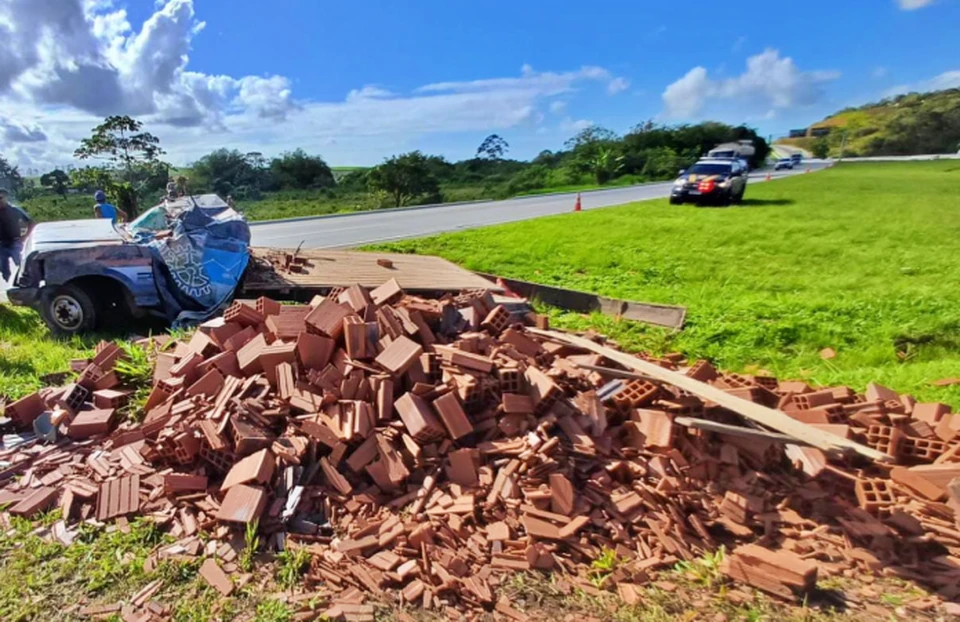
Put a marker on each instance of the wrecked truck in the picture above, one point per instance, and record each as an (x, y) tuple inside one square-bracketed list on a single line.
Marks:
[(184, 260), (180, 261)]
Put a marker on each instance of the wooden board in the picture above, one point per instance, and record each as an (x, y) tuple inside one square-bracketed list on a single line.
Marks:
[(769, 417), (670, 316), (325, 269)]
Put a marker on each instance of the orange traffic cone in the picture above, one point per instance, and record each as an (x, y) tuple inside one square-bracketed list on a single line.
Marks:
[(769, 176), (577, 207), (809, 168)]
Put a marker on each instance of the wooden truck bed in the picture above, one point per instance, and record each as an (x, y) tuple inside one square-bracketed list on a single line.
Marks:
[(298, 273)]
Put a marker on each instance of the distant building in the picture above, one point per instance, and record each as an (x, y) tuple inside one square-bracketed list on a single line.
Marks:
[(799, 133), (817, 132)]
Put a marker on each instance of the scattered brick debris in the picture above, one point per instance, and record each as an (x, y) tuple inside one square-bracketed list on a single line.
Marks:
[(421, 449)]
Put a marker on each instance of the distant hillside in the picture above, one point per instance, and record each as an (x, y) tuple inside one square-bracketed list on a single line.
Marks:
[(914, 123)]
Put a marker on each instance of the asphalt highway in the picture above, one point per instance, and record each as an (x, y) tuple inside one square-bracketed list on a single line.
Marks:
[(356, 229)]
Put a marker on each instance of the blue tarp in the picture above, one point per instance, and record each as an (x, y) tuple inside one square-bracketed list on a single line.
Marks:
[(200, 265)]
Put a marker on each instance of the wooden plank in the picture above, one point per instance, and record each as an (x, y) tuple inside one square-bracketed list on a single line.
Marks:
[(336, 268), (769, 417), (735, 430), (671, 316)]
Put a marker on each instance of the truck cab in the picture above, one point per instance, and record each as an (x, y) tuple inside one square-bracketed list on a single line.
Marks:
[(82, 275)]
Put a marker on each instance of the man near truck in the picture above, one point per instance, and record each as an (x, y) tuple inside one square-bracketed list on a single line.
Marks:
[(102, 209), (12, 221)]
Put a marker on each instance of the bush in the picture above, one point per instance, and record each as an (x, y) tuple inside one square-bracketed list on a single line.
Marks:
[(296, 169), (531, 178)]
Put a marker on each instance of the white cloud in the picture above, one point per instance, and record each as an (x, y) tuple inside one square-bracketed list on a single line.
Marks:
[(912, 5), (879, 72), (571, 126), (618, 85), (543, 83), (769, 82), (369, 91), (946, 80), (84, 54), (64, 64)]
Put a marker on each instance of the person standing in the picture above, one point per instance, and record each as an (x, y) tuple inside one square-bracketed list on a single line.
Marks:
[(102, 209), (12, 221)]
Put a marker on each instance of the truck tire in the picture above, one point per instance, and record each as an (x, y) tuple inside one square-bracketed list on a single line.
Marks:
[(69, 310)]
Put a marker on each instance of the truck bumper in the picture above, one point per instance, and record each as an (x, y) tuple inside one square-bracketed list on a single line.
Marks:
[(24, 296)]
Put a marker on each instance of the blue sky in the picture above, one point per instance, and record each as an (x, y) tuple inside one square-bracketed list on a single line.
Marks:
[(357, 82)]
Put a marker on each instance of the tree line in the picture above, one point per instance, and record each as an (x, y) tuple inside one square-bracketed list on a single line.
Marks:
[(128, 165)]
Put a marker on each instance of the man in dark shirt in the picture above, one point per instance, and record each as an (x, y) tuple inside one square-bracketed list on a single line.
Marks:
[(12, 221)]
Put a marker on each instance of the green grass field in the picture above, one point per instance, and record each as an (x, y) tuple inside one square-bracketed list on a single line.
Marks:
[(863, 258)]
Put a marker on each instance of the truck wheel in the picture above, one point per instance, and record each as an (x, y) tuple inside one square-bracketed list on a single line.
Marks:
[(69, 310)]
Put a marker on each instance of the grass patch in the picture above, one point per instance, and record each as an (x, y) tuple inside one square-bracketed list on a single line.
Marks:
[(862, 258), (45, 580), (28, 351)]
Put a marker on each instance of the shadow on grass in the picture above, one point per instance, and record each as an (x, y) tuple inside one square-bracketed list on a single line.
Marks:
[(765, 202)]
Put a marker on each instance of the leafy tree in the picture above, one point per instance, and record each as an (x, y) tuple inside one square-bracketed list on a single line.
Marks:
[(595, 151), (531, 178), (120, 141), (662, 163), (229, 172), (546, 158), (57, 180), (90, 178), (605, 163), (821, 148), (10, 177), (404, 177), (493, 147), (298, 170)]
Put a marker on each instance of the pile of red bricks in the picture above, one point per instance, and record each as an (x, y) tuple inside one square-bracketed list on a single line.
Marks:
[(424, 449)]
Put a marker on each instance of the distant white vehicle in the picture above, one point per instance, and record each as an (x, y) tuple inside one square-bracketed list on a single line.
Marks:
[(782, 163)]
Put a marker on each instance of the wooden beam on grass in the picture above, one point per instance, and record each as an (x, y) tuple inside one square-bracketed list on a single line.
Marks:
[(769, 417)]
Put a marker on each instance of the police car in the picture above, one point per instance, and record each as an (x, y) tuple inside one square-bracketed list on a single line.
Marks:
[(717, 181)]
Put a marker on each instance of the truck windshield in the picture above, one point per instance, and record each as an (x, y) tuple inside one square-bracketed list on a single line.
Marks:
[(152, 220), (710, 169)]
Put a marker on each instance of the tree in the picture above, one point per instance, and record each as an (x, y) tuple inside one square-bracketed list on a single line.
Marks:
[(91, 178), (605, 163), (821, 148), (591, 135), (297, 170), (596, 151), (492, 148), (56, 180), (229, 173), (404, 177), (10, 177), (121, 142)]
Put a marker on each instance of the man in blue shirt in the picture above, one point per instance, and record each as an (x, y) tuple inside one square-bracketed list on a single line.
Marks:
[(12, 221), (102, 209)]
